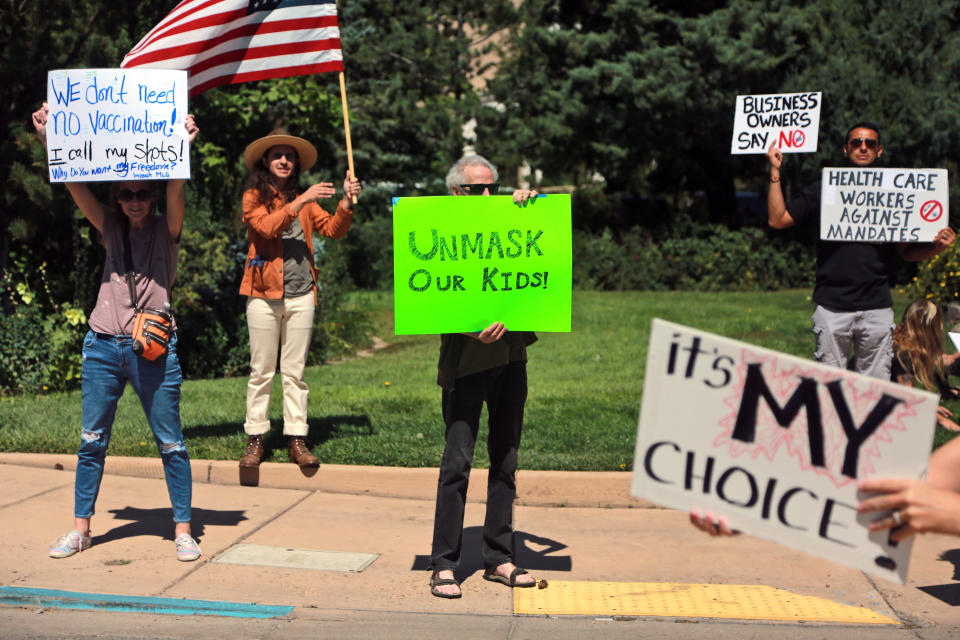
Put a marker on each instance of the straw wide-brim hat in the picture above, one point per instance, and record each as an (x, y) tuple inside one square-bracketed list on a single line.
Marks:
[(256, 149)]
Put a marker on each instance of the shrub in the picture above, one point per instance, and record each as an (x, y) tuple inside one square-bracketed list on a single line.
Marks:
[(40, 340), (337, 330), (937, 278), (700, 258), (211, 328)]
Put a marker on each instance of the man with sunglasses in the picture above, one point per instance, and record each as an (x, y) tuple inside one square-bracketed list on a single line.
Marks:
[(487, 366), (852, 290)]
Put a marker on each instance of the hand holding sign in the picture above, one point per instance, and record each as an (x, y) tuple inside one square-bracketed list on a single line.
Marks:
[(492, 333), (40, 122), (775, 156), (944, 239), (190, 124), (919, 507), (713, 524), (522, 196)]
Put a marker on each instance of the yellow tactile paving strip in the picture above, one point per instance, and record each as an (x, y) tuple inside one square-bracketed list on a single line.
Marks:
[(744, 602)]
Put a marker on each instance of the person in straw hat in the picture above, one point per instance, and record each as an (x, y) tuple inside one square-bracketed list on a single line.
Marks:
[(279, 280)]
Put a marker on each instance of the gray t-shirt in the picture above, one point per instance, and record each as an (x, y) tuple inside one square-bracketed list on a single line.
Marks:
[(154, 263), (297, 277)]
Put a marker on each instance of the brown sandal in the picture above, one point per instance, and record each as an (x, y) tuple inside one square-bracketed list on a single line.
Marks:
[(436, 581), (493, 576)]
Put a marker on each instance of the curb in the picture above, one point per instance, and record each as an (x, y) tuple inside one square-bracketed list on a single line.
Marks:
[(584, 489)]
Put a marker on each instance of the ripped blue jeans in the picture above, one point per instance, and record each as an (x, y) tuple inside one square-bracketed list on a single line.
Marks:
[(108, 364)]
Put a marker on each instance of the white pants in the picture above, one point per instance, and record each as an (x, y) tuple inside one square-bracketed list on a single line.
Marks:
[(284, 324), (870, 333)]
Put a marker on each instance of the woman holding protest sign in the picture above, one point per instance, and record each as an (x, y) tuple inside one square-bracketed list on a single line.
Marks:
[(133, 339), (279, 280)]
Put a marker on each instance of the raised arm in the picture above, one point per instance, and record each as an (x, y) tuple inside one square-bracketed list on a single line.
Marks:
[(92, 208), (777, 215), (176, 209), (271, 223)]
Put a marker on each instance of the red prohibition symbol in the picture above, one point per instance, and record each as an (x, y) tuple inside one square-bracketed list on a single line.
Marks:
[(931, 210), (798, 138)]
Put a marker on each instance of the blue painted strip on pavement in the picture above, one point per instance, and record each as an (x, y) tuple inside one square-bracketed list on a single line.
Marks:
[(53, 598)]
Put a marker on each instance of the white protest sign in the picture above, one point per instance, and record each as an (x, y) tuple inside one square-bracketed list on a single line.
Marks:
[(790, 120), (776, 444), (117, 124), (883, 205)]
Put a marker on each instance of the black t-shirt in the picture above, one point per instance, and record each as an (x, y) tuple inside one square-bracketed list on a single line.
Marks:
[(851, 276)]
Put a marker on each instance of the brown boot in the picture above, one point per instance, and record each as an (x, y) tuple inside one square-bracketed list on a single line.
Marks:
[(254, 453), (300, 453)]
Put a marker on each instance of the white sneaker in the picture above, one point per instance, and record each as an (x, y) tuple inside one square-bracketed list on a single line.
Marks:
[(187, 549), (69, 544)]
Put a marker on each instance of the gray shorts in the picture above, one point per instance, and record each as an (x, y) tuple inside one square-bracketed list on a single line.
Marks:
[(870, 333)]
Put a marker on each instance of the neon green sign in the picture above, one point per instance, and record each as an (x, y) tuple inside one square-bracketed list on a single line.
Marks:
[(462, 263)]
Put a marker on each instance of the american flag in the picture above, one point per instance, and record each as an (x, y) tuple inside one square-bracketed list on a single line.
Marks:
[(229, 41)]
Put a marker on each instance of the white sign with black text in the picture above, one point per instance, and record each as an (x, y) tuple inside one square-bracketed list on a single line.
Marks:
[(863, 204), (789, 120), (776, 444)]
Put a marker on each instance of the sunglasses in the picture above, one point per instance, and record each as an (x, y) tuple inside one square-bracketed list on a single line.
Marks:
[(142, 195), (854, 143), (478, 189), (289, 155)]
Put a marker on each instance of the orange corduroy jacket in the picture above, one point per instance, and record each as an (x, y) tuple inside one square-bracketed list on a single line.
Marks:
[(263, 269)]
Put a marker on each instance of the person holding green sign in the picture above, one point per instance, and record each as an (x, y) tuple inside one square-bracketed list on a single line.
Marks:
[(279, 280), (488, 366)]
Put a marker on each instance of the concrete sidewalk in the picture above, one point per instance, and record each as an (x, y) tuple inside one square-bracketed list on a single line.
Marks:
[(570, 527)]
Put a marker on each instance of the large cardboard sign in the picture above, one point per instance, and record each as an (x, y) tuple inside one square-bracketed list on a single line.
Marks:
[(776, 444), (117, 124), (883, 205), (462, 263), (789, 120)]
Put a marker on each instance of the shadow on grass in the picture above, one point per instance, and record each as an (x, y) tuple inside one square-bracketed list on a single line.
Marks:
[(320, 430), (159, 522), (471, 560), (219, 430), (329, 427)]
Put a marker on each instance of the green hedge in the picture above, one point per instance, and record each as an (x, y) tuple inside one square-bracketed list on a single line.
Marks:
[(708, 258)]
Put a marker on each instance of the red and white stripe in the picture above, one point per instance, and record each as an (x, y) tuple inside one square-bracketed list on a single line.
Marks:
[(218, 43)]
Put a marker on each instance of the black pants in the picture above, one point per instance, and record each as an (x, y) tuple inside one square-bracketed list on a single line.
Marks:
[(504, 389)]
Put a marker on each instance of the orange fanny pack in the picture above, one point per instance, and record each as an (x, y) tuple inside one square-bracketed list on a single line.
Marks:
[(151, 327), (151, 333)]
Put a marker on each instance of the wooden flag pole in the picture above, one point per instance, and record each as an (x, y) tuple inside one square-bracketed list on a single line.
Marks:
[(346, 128)]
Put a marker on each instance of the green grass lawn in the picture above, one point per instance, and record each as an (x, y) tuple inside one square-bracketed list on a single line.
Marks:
[(584, 399)]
